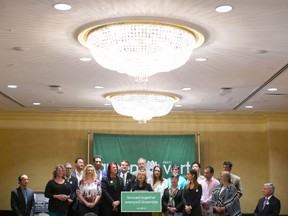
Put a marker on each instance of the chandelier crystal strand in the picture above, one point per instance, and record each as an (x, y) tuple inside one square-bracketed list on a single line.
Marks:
[(141, 49), (142, 106)]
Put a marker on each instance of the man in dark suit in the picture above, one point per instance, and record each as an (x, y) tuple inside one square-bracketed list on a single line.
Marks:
[(128, 178), (268, 205), (79, 166), (22, 198), (73, 183), (98, 165)]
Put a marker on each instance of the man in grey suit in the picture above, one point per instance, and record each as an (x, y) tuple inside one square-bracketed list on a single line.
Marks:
[(227, 166), (22, 198)]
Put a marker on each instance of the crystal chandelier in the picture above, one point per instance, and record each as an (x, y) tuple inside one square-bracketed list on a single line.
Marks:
[(142, 106), (141, 49)]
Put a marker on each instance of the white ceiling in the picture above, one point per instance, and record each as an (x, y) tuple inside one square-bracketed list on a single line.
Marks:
[(49, 55)]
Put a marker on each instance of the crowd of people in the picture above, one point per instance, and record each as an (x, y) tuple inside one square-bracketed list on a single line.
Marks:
[(90, 191)]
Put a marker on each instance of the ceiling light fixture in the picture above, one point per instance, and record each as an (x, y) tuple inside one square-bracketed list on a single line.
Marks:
[(62, 7), (200, 59), (142, 106), (141, 49), (12, 86), (223, 9), (85, 59), (272, 89), (249, 107)]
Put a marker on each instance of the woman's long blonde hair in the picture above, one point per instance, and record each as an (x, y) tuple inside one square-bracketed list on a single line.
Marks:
[(85, 172)]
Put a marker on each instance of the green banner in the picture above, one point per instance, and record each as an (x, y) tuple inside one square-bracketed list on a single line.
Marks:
[(164, 150), (141, 201)]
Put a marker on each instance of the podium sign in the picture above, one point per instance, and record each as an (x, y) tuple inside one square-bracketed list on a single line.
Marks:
[(141, 201)]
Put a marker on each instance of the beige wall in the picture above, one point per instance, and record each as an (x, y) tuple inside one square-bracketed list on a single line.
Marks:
[(257, 144)]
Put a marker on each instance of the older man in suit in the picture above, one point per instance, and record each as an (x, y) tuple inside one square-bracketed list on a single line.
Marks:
[(268, 205), (73, 183), (22, 198)]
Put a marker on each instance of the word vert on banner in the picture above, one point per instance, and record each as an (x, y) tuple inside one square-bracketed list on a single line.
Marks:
[(141, 201)]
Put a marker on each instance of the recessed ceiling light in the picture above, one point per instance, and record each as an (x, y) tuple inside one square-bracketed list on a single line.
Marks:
[(178, 105), (62, 6), (12, 86), (223, 9), (186, 89), (85, 59), (36, 104), (248, 107), (98, 87), (200, 59), (107, 104), (272, 89), (21, 48)]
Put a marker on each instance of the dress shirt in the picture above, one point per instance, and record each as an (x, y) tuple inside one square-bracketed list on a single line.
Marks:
[(207, 187)]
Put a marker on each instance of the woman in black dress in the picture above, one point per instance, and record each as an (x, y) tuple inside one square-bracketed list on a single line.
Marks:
[(112, 185), (192, 195)]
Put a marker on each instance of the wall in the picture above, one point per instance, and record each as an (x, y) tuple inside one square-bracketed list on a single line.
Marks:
[(34, 143)]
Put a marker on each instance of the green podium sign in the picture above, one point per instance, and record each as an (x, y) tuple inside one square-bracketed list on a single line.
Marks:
[(141, 201)]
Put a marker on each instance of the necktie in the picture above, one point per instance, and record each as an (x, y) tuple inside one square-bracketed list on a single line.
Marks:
[(124, 179), (25, 195), (265, 202)]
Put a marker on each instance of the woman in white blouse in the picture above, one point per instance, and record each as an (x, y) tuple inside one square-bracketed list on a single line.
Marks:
[(158, 184), (89, 191)]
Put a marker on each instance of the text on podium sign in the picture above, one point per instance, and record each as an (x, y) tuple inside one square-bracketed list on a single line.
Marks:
[(141, 201)]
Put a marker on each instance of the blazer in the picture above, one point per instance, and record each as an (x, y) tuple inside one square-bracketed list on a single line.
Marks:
[(130, 180), (228, 198), (177, 199), (110, 194), (237, 182), (18, 205), (73, 183), (272, 207)]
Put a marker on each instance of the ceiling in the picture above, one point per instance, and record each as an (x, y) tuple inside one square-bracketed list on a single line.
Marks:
[(246, 48)]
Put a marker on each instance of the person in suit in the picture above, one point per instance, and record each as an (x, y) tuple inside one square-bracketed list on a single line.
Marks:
[(172, 203), (225, 199), (227, 166), (22, 198), (128, 178), (111, 185), (98, 165), (73, 183), (268, 205), (79, 166), (141, 163)]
